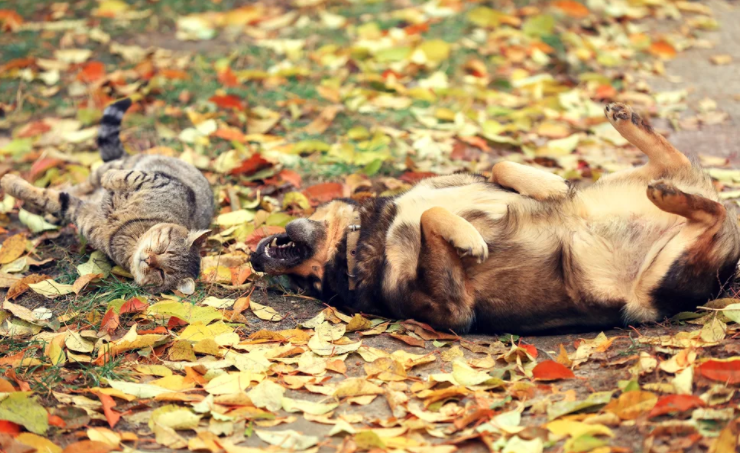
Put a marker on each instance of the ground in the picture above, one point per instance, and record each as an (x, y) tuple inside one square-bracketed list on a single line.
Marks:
[(286, 104)]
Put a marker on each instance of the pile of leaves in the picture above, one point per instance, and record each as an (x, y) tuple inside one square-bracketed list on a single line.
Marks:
[(285, 105)]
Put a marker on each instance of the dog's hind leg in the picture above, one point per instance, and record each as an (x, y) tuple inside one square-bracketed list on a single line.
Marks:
[(690, 267), (663, 157), (529, 181)]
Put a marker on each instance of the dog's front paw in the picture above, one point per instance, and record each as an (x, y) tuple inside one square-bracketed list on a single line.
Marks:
[(469, 242)]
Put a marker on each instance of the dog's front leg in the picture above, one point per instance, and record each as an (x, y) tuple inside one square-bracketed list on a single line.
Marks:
[(442, 294)]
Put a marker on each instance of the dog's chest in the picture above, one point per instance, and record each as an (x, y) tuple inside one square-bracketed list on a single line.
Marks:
[(458, 200)]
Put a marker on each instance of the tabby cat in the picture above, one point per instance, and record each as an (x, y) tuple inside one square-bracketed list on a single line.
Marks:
[(148, 213)]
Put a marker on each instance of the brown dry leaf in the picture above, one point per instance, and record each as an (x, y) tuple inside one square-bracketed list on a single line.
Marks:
[(358, 322), (386, 369), (21, 286), (356, 387)]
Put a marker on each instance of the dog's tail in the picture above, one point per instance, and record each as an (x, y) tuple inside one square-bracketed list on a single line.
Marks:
[(109, 140)]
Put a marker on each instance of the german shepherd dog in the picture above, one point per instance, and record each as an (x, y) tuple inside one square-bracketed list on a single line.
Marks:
[(522, 252)]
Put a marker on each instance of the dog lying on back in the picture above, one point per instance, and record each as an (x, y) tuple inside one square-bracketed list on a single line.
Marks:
[(523, 252)]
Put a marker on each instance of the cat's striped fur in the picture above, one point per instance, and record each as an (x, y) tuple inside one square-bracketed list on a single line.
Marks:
[(148, 213)]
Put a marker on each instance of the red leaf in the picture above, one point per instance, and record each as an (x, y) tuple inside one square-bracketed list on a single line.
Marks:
[(413, 177), (40, 166), (571, 8), (551, 371), (675, 403), (11, 428), (110, 321), (291, 177), (157, 331), (251, 165), (33, 129), (174, 322), (108, 404), (260, 233), (727, 372), (530, 348), (227, 78), (55, 420), (91, 72), (88, 446), (133, 305), (321, 193), (228, 101)]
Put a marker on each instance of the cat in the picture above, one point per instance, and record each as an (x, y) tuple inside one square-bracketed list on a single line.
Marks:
[(150, 214)]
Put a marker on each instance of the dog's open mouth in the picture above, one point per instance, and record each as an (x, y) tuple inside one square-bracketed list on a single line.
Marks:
[(279, 253)]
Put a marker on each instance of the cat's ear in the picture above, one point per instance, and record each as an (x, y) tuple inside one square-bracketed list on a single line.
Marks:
[(186, 286), (198, 238)]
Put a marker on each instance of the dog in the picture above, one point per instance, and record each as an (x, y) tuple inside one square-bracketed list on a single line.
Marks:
[(523, 252)]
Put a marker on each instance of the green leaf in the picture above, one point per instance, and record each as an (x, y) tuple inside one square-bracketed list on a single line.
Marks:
[(97, 264), (373, 167), (186, 312), (539, 25), (21, 408), (34, 222), (561, 408)]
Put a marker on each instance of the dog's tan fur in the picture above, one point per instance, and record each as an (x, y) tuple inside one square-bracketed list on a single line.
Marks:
[(459, 251)]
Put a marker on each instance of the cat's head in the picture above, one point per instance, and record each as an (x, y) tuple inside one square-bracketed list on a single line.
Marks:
[(167, 257)]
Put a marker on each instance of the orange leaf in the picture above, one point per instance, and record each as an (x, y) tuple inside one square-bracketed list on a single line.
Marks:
[(108, 404), (40, 166), (55, 420), (663, 50), (631, 405), (228, 101), (12, 249), (174, 74), (21, 286), (11, 428), (230, 134), (240, 274), (10, 20), (551, 371), (17, 63), (571, 8), (5, 386), (676, 403), (251, 165), (110, 321), (91, 72), (88, 446), (83, 281), (132, 305), (321, 193), (727, 372), (227, 78), (291, 177)]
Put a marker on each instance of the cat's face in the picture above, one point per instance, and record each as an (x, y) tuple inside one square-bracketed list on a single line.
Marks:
[(168, 257)]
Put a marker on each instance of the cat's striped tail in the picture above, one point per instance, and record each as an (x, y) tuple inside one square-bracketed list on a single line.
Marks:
[(109, 140)]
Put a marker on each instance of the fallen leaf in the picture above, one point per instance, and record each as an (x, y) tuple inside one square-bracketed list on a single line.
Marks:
[(551, 371), (12, 248)]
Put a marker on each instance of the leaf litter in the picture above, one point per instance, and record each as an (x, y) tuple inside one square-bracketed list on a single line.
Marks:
[(316, 100)]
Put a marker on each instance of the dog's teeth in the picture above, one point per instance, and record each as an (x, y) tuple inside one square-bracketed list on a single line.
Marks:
[(274, 243), (292, 244)]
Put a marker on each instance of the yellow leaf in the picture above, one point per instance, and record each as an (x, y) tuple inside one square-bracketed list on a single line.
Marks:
[(51, 289), (356, 387), (41, 444), (231, 383), (577, 429), (631, 405), (12, 249), (174, 417), (265, 312), (104, 435), (21, 408)]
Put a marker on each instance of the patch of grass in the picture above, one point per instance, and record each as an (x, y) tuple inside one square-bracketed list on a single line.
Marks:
[(94, 376)]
